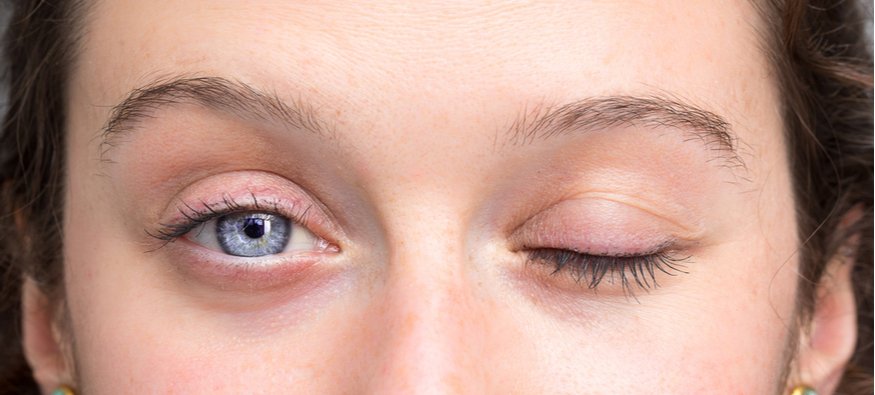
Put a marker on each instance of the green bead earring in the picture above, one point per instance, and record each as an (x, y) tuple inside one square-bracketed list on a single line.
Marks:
[(63, 390), (803, 390)]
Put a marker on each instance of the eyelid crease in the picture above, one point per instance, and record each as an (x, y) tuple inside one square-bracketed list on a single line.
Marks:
[(689, 233)]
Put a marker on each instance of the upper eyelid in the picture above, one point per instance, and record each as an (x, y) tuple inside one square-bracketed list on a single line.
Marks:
[(601, 224), (241, 188), (639, 204)]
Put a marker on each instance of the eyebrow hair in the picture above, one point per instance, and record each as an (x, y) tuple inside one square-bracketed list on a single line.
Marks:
[(215, 93), (595, 113), (539, 123)]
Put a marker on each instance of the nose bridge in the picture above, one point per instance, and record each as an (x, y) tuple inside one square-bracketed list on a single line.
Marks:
[(428, 308)]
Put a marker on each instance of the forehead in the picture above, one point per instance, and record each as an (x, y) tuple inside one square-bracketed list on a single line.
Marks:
[(548, 49)]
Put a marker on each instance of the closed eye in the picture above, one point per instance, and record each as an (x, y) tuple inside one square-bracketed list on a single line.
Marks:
[(629, 271)]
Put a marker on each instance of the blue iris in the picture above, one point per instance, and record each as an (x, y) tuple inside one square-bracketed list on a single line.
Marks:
[(253, 234)]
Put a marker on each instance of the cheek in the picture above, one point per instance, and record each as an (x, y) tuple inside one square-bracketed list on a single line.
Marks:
[(723, 328), (712, 351), (132, 329)]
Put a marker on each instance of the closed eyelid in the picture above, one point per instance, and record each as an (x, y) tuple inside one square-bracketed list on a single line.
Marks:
[(688, 229)]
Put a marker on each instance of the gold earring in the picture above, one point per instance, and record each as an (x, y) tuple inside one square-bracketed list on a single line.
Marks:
[(803, 390), (63, 390)]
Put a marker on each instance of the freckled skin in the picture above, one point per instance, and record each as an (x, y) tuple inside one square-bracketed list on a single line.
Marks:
[(426, 296)]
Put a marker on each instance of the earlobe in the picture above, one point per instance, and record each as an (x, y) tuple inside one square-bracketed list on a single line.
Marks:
[(828, 342), (42, 342)]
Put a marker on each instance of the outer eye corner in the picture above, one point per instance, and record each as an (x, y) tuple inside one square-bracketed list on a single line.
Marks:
[(327, 246)]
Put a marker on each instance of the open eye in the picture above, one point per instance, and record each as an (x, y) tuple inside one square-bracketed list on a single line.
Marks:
[(253, 234)]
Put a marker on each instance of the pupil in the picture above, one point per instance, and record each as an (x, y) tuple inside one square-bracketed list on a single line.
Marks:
[(253, 227)]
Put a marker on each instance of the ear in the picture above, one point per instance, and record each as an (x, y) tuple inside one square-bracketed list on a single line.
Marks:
[(827, 344), (42, 339)]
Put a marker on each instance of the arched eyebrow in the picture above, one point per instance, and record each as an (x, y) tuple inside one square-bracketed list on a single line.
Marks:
[(604, 112), (594, 113), (215, 93)]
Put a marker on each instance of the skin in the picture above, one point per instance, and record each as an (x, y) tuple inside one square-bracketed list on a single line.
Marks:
[(429, 212)]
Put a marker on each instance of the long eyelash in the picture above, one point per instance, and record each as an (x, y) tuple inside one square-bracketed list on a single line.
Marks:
[(639, 270), (192, 217)]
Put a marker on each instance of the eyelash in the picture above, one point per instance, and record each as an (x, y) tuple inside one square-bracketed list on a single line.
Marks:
[(592, 269), (192, 217)]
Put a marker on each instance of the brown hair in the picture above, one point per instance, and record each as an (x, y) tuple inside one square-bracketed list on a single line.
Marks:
[(822, 56), (819, 52), (38, 52)]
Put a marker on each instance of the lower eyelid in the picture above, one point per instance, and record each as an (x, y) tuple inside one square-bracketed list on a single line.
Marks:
[(229, 273)]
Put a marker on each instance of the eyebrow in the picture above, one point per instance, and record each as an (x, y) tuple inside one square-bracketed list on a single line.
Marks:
[(537, 123), (599, 113), (216, 93)]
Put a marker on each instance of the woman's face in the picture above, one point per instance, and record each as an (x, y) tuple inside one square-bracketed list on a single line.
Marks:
[(404, 198)]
